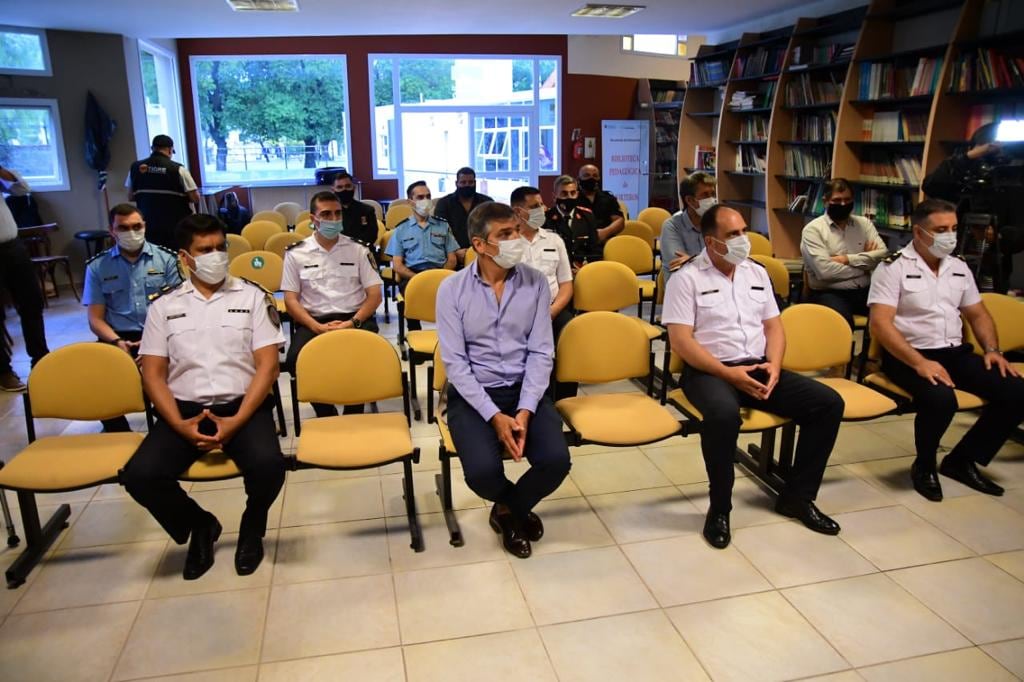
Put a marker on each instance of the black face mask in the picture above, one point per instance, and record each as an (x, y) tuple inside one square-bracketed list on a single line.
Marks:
[(346, 196), (839, 212), (567, 205), (466, 192), (590, 185)]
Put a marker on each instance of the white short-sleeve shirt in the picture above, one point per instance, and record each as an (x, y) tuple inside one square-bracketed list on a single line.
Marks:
[(547, 253), (331, 281)]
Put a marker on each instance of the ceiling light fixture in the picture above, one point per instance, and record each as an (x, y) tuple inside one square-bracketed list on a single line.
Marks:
[(601, 11), (264, 5)]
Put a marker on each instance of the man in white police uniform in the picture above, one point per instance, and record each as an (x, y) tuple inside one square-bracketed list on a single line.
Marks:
[(209, 359), (723, 321), (917, 297), (330, 282)]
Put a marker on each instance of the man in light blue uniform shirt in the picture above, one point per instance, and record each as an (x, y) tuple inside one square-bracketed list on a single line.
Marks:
[(494, 329), (680, 238), (119, 283)]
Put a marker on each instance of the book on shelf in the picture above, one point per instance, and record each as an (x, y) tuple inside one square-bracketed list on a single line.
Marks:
[(804, 90), (808, 162), (894, 126), (751, 159), (819, 55), (806, 197), (704, 159), (814, 127), (884, 208), (982, 114), (754, 129), (743, 100), (709, 71), (763, 60), (986, 69), (668, 95), (894, 168), (886, 80)]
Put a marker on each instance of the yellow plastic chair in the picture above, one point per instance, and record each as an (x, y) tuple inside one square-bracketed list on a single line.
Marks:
[(637, 255), (304, 227), (654, 217), (610, 286), (278, 243), (759, 244), (290, 210), (302, 215), (603, 347), (878, 380), (353, 367), (470, 257), (237, 245), (1008, 315), (263, 267), (624, 209), (272, 216), (81, 382), (635, 228), (258, 232), (377, 208), (777, 273), (419, 303), (397, 214), (387, 273)]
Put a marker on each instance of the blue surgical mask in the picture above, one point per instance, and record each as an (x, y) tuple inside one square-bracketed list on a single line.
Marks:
[(329, 229)]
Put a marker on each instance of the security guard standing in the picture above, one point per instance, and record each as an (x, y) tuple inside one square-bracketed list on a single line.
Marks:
[(209, 360), (724, 323), (421, 242), (359, 220), (119, 283), (329, 282), (575, 224), (917, 297), (605, 206), (163, 190)]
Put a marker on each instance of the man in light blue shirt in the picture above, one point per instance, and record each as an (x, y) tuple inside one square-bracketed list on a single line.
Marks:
[(680, 238), (120, 281), (494, 328)]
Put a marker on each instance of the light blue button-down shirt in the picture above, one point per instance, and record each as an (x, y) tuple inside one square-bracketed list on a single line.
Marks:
[(485, 344), (678, 233), (125, 287), (423, 246)]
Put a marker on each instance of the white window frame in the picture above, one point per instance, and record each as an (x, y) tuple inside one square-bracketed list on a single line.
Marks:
[(58, 140), (179, 134), (680, 40), (47, 69), (531, 110), (265, 57)]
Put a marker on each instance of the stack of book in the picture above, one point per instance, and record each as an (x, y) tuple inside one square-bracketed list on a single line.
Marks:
[(754, 129), (704, 159), (885, 80), (892, 168), (986, 70), (761, 98), (885, 209), (709, 72), (814, 127), (815, 55), (895, 126), (808, 162), (760, 62), (751, 159), (803, 91)]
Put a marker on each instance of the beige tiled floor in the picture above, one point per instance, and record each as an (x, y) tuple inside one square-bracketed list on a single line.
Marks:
[(622, 587)]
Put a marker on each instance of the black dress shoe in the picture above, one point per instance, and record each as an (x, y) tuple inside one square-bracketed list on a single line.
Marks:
[(926, 483), (533, 527), (807, 514), (513, 535), (968, 474), (716, 529), (248, 554), (200, 549)]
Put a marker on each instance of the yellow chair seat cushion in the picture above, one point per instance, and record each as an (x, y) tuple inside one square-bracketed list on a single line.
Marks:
[(422, 341), (387, 274), (449, 445), (861, 401), (751, 420), (354, 440), (646, 288), (59, 463), (618, 418), (212, 466), (653, 331), (965, 400), (860, 321)]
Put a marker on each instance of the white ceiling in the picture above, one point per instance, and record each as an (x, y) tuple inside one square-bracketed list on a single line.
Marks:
[(213, 18)]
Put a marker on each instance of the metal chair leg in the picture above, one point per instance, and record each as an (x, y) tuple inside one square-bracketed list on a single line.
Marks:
[(12, 534), (443, 487), (38, 539), (408, 492)]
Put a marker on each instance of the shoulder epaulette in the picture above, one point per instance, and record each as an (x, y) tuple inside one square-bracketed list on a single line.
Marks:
[(584, 209), (98, 255), (164, 290), (751, 260), (443, 220), (960, 257), (892, 257), (257, 285), (691, 259), (294, 244), (171, 252)]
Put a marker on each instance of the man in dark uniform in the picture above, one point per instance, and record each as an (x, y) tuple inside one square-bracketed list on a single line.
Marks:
[(234, 215), (575, 224), (163, 190), (455, 208), (359, 220), (605, 206), (209, 359)]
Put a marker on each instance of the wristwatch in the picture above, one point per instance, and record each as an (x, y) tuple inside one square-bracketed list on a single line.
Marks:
[(994, 349), (357, 323)]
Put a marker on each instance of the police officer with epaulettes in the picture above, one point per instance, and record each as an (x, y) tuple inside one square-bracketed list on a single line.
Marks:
[(359, 220), (163, 190), (209, 360), (724, 323), (917, 298), (329, 282), (574, 223), (119, 283)]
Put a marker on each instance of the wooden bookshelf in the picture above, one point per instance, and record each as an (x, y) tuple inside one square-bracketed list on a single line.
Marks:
[(702, 106), (660, 102)]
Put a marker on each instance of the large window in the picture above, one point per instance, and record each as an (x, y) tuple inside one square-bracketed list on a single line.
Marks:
[(666, 45), (23, 51), (433, 114), (161, 92), (31, 142), (270, 120)]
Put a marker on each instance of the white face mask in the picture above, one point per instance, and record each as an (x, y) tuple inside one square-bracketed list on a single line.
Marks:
[(943, 244), (738, 249), (537, 218), (704, 204), (510, 253), (424, 207), (130, 241), (212, 267)]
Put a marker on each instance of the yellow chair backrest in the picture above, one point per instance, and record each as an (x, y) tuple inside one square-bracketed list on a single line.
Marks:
[(655, 217), (237, 245), (817, 338), (470, 257), (348, 367), (777, 272), (279, 242), (85, 381), (383, 241), (290, 210), (635, 228), (421, 294), (259, 231), (262, 267), (1008, 314), (759, 244), (397, 214), (604, 285), (377, 208), (624, 209), (272, 216), (661, 286), (302, 215), (633, 252), (440, 373), (381, 230), (600, 347), (675, 363), (304, 228)]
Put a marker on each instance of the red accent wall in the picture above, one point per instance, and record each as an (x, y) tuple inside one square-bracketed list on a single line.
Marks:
[(586, 100)]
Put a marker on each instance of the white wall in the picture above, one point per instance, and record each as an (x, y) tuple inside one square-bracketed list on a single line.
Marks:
[(603, 56)]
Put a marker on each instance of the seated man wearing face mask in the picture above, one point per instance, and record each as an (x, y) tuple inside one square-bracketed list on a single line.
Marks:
[(575, 224), (724, 323), (607, 212), (422, 242), (919, 298), (330, 282), (680, 238), (840, 251), (119, 283), (359, 220), (494, 329), (456, 207)]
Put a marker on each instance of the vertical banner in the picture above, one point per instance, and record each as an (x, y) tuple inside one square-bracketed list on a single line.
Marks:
[(625, 156)]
